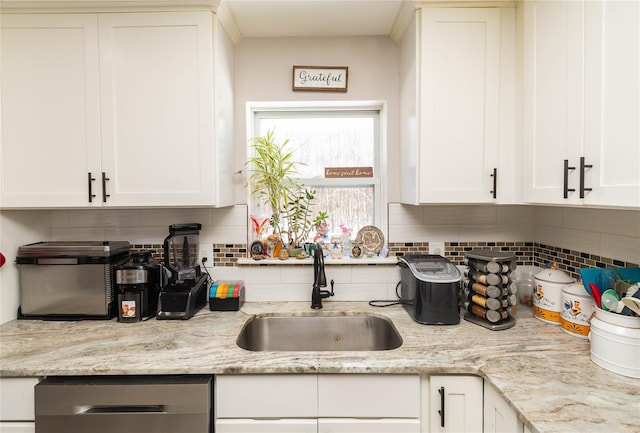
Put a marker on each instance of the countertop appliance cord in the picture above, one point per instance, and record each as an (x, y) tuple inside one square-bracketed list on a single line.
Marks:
[(389, 302)]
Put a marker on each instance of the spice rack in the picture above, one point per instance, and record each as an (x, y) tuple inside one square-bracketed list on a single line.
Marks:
[(490, 294)]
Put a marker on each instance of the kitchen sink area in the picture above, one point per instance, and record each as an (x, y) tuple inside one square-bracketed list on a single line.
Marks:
[(319, 333)]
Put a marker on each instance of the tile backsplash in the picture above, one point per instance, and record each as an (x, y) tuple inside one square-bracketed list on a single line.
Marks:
[(572, 237)]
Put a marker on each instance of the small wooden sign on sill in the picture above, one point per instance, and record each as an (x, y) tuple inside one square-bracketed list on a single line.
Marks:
[(320, 78), (344, 172)]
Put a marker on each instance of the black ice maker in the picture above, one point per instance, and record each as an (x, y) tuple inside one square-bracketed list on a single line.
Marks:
[(430, 289)]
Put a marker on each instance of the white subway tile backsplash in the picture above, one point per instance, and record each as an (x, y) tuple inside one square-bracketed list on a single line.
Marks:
[(230, 216), (515, 215), (496, 233), (423, 233), (569, 239), (471, 214), (618, 222), (405, 214), (547, 216), (166, 217), (104, 218), (620, 247), (79, 234), (59, 218)]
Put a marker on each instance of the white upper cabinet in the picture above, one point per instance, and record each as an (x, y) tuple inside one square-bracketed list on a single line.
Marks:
[(457, 114), (117, 109), (50, 109), (581, 135)]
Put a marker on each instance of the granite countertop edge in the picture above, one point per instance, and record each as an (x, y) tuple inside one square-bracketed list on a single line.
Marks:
[(544, 374)]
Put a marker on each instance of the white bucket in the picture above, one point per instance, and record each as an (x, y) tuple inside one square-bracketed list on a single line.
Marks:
[(615, 343), (577, 309)]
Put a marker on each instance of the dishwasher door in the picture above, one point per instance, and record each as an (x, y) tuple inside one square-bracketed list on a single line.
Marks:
[(125, 404)]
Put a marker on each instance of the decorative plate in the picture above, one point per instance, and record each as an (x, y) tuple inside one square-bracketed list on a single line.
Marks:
[(372, 239)]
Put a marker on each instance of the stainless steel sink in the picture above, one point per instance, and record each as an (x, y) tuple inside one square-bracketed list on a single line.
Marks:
[(319, 333)]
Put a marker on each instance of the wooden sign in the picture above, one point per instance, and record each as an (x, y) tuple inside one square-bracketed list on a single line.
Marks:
[(320, 78), (334, 172)]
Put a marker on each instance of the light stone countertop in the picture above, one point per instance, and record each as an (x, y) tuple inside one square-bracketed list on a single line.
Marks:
[(545, 374)]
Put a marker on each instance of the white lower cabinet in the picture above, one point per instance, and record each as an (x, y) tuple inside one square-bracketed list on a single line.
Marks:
[(499, 417), (332, 403), (17, 427), (17, 414), (452, 404)]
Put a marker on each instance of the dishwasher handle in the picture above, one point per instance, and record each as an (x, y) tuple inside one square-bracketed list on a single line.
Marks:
[(120, 409)]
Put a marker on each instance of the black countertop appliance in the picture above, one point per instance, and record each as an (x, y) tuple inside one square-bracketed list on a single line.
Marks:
[(430, 289), (187, 290), (138, 284)]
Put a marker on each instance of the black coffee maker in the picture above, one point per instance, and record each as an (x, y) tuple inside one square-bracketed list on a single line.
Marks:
[(138, 284), (186, 292)]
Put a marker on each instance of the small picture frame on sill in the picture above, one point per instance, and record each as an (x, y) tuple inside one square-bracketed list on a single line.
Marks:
[(320, 78)]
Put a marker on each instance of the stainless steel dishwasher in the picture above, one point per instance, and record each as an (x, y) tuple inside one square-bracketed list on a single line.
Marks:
[(125, 404)]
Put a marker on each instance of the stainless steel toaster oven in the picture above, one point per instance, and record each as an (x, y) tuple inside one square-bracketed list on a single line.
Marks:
[(69, 280)]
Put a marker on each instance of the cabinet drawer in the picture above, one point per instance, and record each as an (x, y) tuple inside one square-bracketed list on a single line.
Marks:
[(366, 395), (346, 425), (266, 396), (266, 426)]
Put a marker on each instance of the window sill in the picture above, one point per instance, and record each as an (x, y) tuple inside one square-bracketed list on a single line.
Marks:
[(327, 261)]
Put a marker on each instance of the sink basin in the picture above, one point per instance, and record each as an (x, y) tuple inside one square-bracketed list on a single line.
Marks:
[(319, 333)]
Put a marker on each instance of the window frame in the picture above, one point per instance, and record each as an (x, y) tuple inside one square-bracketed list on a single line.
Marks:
[(257, 110)]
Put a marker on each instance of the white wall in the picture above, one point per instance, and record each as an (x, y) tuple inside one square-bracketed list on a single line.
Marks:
[(263, 68)]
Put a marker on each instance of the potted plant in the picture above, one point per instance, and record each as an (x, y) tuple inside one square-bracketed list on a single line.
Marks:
[(298, 216), (272, 176)]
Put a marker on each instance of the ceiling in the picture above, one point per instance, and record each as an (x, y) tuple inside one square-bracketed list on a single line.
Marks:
[(287, 18)]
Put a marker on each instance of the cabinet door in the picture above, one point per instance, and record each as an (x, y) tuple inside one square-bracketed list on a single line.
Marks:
[(50, 110), (553, 100), (156, 80), (499, 417), (612, 103), (459, 100), (347, 425), (454, 404), (266, 425), (17, 398)]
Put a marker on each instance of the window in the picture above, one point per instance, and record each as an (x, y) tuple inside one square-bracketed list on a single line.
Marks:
[(322, 136)]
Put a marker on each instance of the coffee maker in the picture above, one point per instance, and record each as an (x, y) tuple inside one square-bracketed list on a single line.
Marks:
[(138, 284), (186, 292)]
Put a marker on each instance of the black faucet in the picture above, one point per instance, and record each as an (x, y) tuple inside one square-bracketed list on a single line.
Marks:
[(319, 280)]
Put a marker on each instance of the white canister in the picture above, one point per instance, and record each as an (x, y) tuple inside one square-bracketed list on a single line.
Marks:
[(547, 294), (577, 309), (615, 343)]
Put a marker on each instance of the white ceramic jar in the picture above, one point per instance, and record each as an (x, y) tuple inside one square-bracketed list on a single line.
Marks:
[(577, 309), (547, 294)]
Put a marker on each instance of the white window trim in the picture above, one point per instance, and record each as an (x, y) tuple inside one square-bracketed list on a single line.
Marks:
[(380, 211)]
